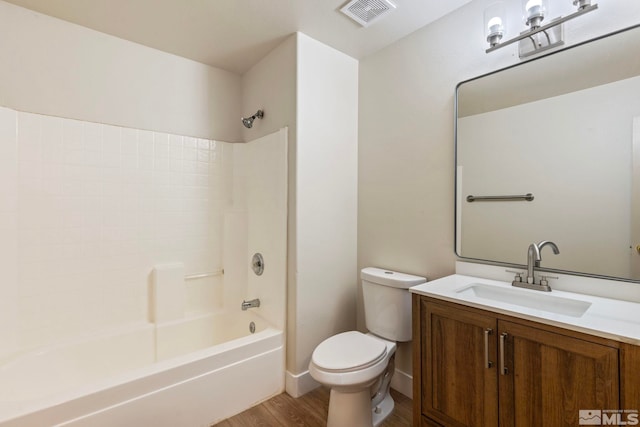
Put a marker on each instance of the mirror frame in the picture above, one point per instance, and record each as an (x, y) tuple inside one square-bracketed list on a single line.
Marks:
[(455, 167)]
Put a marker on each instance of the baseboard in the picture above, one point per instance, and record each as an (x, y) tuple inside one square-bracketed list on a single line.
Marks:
[(297, 385), (403, 383)]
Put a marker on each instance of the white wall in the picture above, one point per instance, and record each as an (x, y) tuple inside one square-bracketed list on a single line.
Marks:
[(405, 181), (61, 69), (9, 231), (326, 196), (312, 89)]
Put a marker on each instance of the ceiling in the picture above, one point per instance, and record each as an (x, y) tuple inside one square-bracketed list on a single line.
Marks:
[(235, 34)]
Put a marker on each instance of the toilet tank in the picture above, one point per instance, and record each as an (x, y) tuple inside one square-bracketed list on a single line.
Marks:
[(387, 302)]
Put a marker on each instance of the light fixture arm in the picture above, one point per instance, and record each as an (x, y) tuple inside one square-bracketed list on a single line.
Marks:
[(542, 28), (545, 33)]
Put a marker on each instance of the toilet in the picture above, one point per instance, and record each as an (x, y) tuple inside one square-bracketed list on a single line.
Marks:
[(358, 367)]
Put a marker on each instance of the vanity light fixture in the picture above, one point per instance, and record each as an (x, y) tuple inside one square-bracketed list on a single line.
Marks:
[(543, 34)]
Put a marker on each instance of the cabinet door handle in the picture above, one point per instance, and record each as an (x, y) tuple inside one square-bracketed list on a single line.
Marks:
[(487, 362), (503, 368)]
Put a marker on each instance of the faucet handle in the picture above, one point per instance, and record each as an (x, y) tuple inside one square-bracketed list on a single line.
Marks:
[(518, 274), (544, 281)]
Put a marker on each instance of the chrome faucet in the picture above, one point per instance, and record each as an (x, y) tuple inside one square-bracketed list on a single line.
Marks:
[(250, 304), (533, 261)]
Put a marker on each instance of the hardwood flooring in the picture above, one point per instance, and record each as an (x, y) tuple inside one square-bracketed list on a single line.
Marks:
[(309, 410)]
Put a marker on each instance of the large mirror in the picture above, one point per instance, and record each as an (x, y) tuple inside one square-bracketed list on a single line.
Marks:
[(564, 129)]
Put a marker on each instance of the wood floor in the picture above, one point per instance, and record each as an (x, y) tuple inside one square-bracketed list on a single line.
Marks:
[(309, 410)]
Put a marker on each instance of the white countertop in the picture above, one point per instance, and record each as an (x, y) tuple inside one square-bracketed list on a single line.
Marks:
[(606, 318)]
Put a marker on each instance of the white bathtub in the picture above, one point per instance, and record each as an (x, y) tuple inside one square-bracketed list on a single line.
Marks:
[(192, 372)]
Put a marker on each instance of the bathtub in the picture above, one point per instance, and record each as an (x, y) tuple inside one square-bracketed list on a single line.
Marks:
[(191, 372)]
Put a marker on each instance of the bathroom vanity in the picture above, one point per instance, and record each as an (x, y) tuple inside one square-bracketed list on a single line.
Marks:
[(489, 354)]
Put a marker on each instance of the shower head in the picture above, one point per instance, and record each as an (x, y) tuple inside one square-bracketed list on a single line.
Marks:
[(248, 121)]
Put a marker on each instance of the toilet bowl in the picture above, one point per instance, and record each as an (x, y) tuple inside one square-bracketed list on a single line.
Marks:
[(353, 365), (358, 367)]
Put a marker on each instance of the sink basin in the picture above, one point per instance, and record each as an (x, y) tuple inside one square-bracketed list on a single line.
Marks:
[(529, 299)]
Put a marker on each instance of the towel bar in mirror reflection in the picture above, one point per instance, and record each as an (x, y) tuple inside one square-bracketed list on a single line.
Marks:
[(512, 198)]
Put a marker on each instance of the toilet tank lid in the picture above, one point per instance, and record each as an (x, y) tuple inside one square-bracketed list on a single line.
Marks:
[(390, 278)]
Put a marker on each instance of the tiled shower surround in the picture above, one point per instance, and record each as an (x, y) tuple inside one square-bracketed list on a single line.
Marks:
[(87, 210)]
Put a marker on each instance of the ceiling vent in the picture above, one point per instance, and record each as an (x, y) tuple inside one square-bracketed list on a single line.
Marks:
[(364, 12)]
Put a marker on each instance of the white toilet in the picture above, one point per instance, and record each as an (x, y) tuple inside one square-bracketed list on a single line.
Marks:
[(358, 367)]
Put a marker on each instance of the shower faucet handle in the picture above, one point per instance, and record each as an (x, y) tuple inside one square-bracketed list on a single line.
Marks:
[(257, 263)]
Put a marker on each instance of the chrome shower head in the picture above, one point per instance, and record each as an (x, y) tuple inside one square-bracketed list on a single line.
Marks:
[(248, 121)]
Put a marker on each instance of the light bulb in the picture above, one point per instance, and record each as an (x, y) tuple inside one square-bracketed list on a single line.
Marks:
[(534, 12), (534, 7), (495, 24)]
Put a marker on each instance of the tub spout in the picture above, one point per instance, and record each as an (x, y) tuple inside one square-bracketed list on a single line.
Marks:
[(250, 304)]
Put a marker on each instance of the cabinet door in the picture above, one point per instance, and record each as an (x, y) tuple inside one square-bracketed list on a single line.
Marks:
[(548, 378), (459, 376)]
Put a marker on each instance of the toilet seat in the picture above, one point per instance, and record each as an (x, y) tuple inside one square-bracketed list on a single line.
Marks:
[(348, 352)]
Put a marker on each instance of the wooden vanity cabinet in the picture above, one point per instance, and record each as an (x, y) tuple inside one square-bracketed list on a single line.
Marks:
[(477, 368), (549, 377), (458, 389)]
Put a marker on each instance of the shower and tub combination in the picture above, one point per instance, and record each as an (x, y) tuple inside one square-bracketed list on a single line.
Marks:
[(130, 296)]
